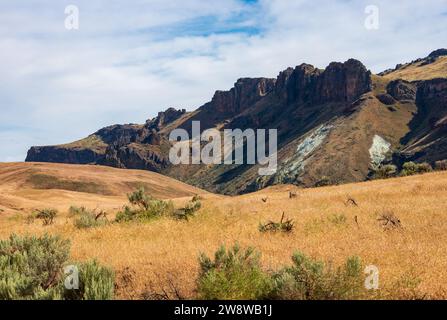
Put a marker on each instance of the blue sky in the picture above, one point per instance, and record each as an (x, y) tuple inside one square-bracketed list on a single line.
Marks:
[(131, 59)]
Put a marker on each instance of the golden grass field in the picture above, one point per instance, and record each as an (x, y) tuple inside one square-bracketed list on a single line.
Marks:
[(415, 71), (147, 257)]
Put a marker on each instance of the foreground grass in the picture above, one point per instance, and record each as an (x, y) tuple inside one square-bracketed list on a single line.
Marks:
[(163, 253)]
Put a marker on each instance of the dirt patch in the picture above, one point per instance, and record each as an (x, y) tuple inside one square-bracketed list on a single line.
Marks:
[(48, 182)]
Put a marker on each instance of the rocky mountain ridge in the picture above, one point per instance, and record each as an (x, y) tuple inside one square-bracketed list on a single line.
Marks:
[(328, 122)]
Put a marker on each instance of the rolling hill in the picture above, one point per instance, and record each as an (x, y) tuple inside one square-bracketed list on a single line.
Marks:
[(28, 186)]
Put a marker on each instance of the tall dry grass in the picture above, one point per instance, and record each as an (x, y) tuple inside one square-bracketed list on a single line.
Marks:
[(162, 255)]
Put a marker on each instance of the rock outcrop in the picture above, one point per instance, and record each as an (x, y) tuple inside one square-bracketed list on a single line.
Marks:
[(63, 155), (343, 82), (402, 90), (245, 93)]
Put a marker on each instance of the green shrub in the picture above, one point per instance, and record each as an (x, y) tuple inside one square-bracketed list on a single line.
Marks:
[(308, 279), (385, 172), (46, 215), (140, 198), (233, 275), (31, 268), (441, 165), (188, 211), (144, 208), (90, 219), (95, 283), (411, 168), (76, 211), (126, 215), (85, 218)]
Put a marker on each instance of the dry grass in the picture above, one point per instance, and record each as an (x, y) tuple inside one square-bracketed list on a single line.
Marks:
[(92, 142), (416, 71), (28, 186), (163, 254)]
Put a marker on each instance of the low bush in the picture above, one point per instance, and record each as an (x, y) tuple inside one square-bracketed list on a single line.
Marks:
[(282, 225), (385, 172), (233, 275), (144, 208), (412, 168), (76, 211), (441, 165), (33, 268), (188, 211), (236, 274), (46, 215), (309, 279), (85, 218), (89, 218), (96, 282)]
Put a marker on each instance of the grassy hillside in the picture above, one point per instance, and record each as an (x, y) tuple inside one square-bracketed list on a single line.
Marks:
[(155, 256), (27, 186), (420, 71)]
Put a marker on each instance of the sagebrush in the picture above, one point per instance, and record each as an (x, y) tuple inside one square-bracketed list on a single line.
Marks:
[(32, 268)]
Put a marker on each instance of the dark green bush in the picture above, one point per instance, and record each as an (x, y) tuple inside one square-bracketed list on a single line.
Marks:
[(309, 279), (233, 275), (31, 268), (412, 168), (385, 172)]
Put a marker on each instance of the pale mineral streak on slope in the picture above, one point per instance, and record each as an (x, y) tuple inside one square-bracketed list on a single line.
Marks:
[(295, 165), (378, 150)]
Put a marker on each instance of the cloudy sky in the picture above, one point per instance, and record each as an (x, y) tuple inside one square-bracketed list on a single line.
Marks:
[(130, 59)]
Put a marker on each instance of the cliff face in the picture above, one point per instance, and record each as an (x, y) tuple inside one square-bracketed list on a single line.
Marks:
[(244, 94), (63, 155), (327, 120), (427, 141), (343, 82)]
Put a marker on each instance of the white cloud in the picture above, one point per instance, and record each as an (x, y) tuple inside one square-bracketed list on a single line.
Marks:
[(131, 59)]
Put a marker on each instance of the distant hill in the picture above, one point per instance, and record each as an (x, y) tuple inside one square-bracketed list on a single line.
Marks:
[(26, 186), (334, 126)]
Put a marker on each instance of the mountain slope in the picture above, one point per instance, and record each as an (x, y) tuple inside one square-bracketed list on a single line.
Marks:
[(334, 126)]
